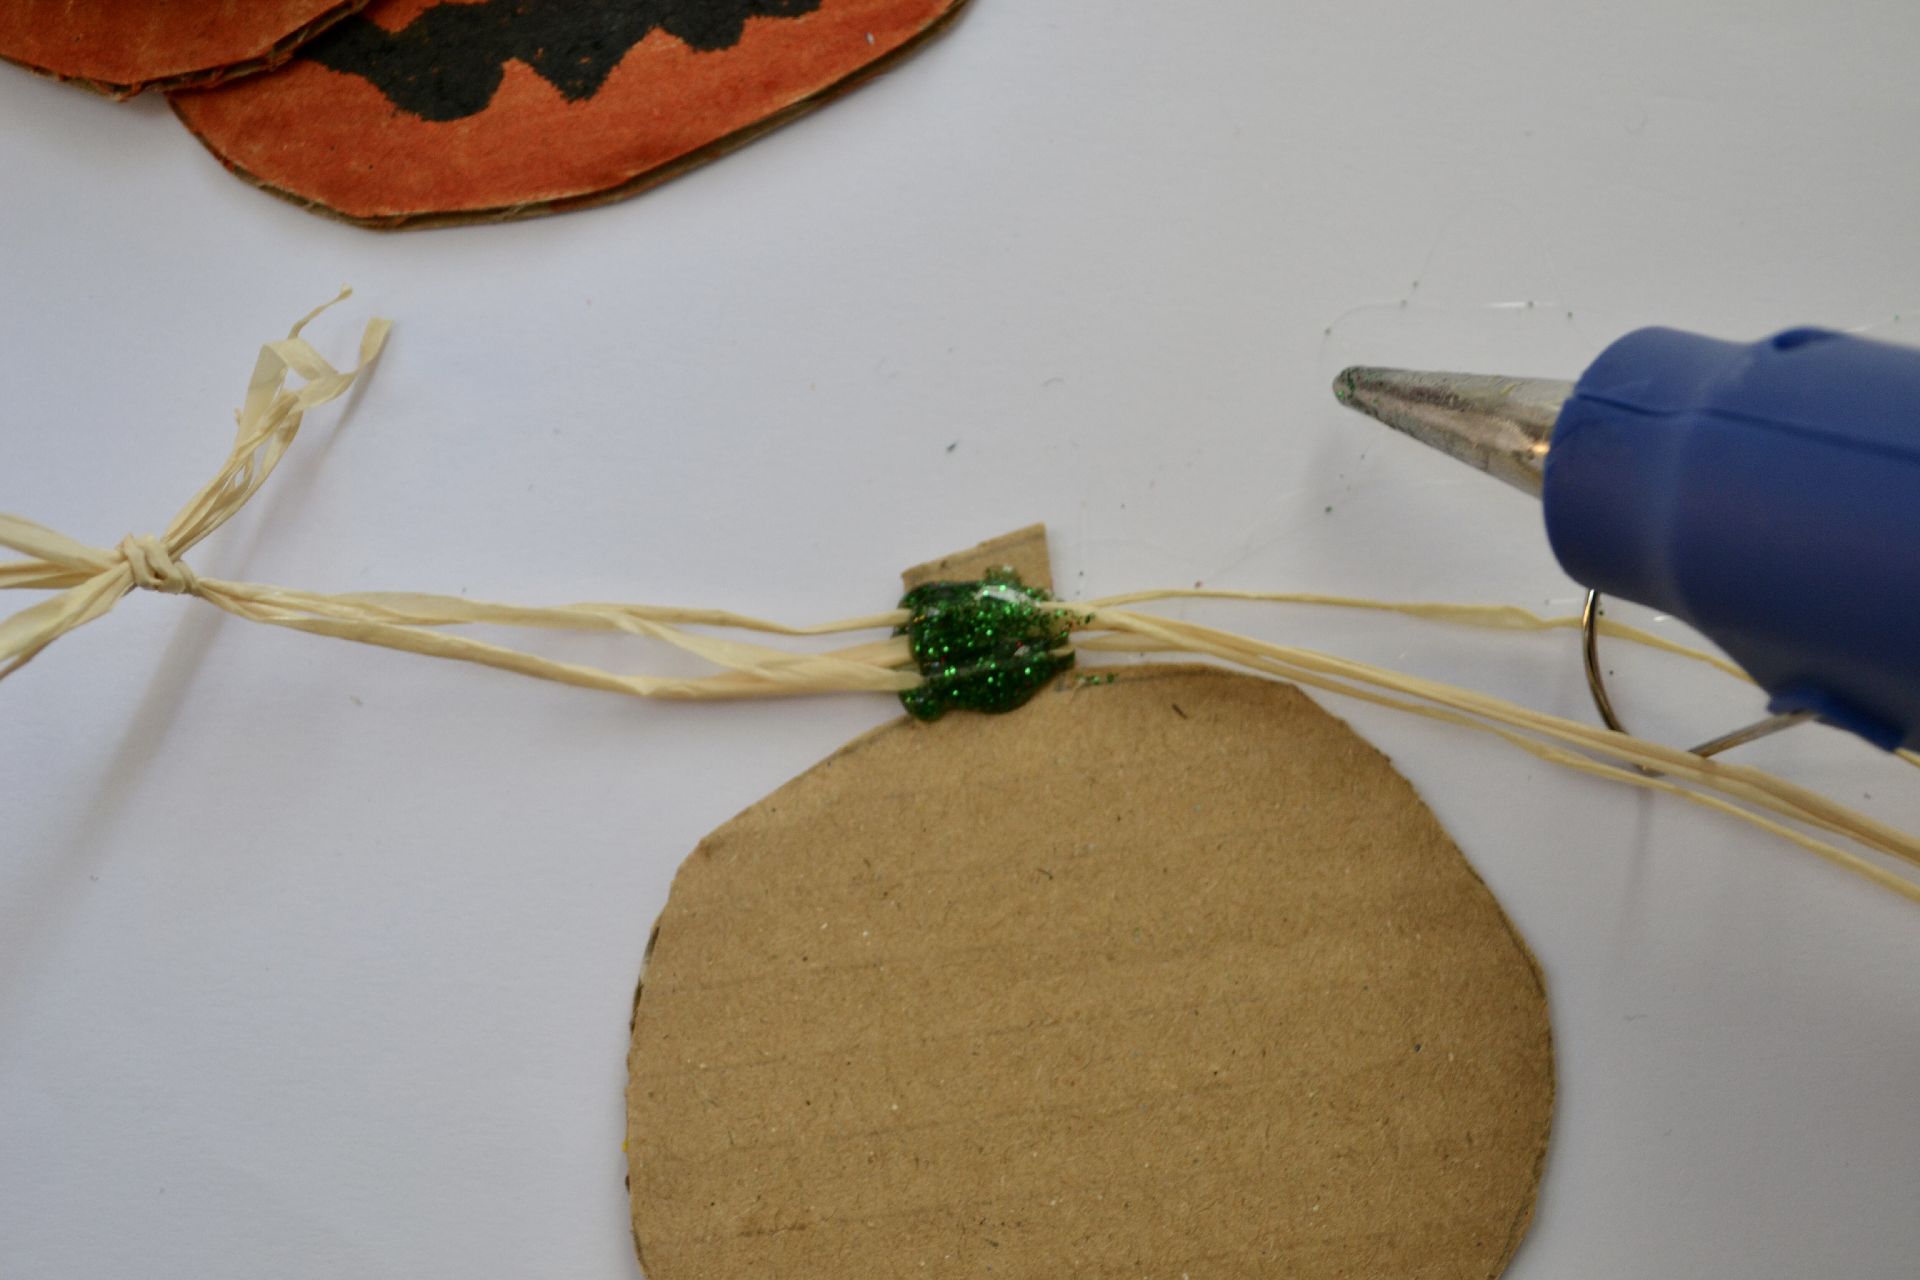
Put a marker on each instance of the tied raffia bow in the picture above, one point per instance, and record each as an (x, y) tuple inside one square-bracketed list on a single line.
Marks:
[(91, 580)]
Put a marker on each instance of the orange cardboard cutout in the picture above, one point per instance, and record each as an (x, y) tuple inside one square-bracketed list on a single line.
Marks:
[(123, 46), (1173, 976), (432, 111)]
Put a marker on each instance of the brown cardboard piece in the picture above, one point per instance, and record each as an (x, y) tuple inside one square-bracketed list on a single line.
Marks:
[(1024, 551), (1169, 977)]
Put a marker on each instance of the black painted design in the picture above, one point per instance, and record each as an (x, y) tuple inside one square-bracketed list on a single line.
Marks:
[(447, 63)]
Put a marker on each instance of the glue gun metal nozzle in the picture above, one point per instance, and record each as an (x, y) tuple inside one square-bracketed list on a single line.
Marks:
[(1501, 426)]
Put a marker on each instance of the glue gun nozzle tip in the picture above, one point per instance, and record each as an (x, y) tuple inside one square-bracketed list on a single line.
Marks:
[(1500, 425)]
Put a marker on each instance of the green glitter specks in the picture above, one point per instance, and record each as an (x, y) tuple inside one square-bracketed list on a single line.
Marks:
[(982, 646)]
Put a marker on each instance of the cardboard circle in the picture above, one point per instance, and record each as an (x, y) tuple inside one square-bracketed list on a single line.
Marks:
[(1170, 976), (433, 111), (123, 46)]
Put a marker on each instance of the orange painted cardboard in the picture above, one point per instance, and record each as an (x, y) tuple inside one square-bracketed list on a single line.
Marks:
[(424, 111), (120, 47)]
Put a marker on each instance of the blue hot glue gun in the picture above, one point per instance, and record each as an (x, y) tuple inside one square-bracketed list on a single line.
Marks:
[(1767, 493)]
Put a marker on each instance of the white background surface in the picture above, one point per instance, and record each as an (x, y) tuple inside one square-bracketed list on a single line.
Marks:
[(315, 960)]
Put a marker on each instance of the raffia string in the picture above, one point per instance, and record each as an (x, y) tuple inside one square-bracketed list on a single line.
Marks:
[(91, 580)]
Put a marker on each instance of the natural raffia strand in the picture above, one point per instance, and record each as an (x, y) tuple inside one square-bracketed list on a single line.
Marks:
[(91, 580)]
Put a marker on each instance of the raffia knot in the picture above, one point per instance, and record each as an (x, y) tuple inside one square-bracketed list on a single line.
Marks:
[(154, 568)]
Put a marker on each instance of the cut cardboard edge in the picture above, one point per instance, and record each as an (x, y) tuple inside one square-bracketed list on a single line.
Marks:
[(275, 55), (639, 184), (1523, 1218), (1024, 551)]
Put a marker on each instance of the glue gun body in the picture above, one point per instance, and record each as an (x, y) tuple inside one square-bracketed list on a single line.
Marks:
[(1766, 493)]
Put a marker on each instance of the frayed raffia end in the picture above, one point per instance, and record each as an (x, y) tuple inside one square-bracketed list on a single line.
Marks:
[(91, 580)]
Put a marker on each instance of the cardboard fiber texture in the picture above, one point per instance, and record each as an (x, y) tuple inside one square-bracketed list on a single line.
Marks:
[(1024, 551), (1169, 977), (424, 112), (120, 47)]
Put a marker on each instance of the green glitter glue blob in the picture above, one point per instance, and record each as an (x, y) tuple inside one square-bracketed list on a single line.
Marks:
[(982, 646)]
